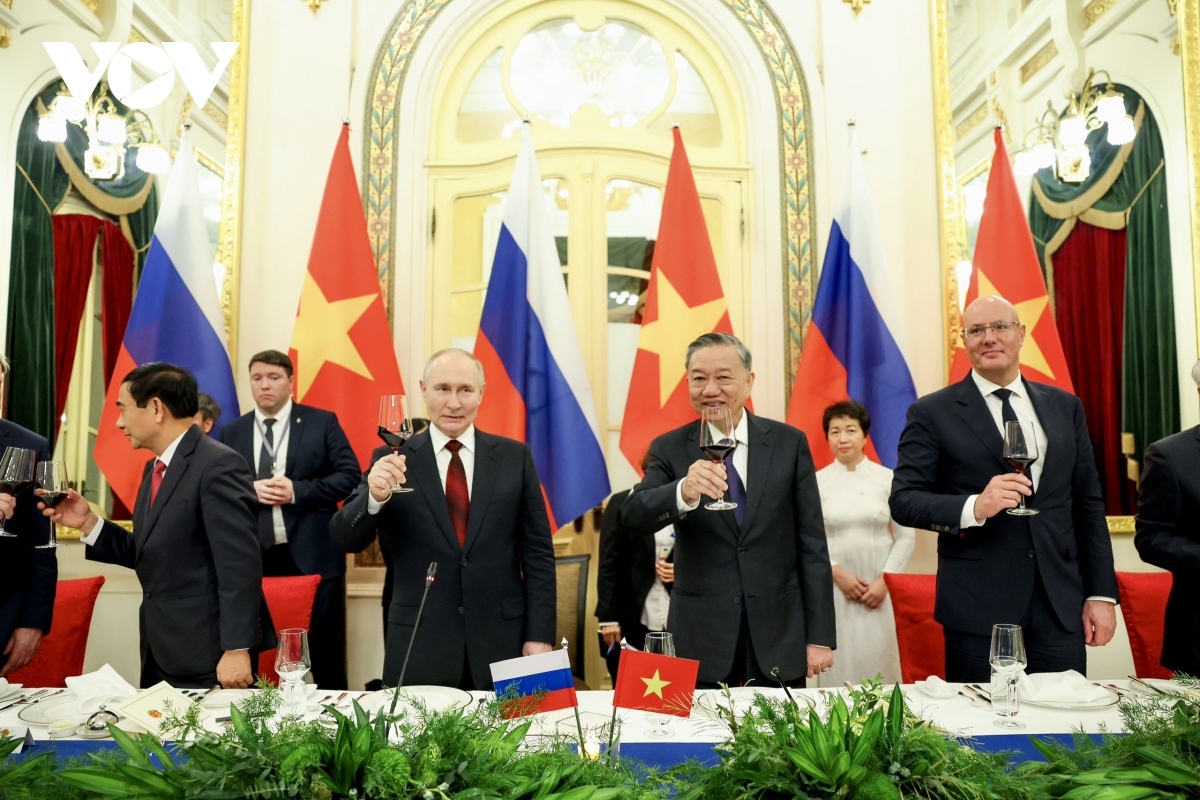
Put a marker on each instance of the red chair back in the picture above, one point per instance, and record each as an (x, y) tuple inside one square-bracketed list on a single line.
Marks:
[(290, 601), (1144, 605), (922, 643), (62, 651)]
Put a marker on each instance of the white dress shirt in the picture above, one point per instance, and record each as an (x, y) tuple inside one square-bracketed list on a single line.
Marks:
[(438, 441), (1023, 406), (281, 437), (740, 460), (91, 536), (658, 599)]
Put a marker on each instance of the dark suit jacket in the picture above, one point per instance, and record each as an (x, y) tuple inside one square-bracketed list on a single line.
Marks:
[(28, 577), (197, 557), (489, 598), (324, 471), (1168, 536), (626, 571), (950, 449), (777, 564)]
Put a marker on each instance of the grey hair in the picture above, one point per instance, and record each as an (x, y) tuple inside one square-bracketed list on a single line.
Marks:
[(1195, 372), (718, 340), (448, 351)]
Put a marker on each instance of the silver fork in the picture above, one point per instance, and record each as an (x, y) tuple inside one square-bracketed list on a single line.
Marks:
[(24, 699)]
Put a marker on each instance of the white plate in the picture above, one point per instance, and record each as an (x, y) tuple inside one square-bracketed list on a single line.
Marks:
[(432, 698), (224, 698), (10, 692), (1104, 702), (60, 707), (939, 693)]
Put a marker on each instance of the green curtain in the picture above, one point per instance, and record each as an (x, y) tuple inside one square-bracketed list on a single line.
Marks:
[(40, 185), (1149, 388)]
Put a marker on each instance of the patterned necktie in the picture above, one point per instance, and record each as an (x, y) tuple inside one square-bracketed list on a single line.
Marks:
[(458, 501), (737, 489), (264, 454), (156, 478)]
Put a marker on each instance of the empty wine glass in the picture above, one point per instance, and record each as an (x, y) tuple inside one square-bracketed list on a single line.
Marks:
[(717, 441), (663, 644), (395, 427), (1020, 450), (16, 472), (292, 662), (1008, 660), (51, 490)]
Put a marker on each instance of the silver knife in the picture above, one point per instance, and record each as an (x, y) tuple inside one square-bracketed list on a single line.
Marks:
[(975, 692), (24, 699), (982, 692), (1149, 686)]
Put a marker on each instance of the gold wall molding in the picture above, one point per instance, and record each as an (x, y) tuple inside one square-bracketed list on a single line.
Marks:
[(1097, 9), (1040, 59), (137, 36), (857, 5), (950, 219), (215, 114), (972, 121), (229, 235), (798, 210), (5, 33), (1189, 53)]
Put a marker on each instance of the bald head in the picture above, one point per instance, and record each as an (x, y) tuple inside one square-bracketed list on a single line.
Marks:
[(993, 335)]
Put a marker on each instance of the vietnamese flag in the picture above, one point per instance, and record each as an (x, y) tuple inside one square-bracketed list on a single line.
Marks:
[(1006, 264), (683, 301), (650, 682), (341, 344)]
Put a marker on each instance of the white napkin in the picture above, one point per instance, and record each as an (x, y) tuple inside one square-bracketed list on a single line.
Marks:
[(1061, 687), (935, 684), (104, 687)]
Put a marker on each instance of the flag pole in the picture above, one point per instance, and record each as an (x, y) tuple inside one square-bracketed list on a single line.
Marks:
[(612, 724), (578, 721)]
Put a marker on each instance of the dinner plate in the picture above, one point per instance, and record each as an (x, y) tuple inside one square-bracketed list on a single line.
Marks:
[(224, 698), (60, 707), (1107, 701), (432, 698), (1158, 683)]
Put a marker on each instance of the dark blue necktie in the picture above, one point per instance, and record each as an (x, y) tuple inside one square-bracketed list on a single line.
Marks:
[(737, 489)]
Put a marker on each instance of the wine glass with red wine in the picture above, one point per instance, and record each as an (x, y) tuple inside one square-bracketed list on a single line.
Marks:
[(395, 427), (717, 441), (16, 473), (51, 490), (1020, 450)]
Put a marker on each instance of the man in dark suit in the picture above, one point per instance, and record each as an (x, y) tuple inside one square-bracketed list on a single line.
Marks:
[(28, 576), (476, 508), (1052, 573), (304, 467), (753, 587), (1168, 536), (194, 547)]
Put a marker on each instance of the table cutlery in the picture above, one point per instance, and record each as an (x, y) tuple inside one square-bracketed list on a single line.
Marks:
[(1149, 686), (24, 699), (984, 693), (975, 699), (1112, 688), (975, 692)]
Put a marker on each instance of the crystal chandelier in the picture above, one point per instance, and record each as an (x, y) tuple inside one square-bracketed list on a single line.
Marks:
[(1061, 143), (110, 133)]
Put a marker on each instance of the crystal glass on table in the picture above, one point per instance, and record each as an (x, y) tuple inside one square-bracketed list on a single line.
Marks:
[(16, 472), (717, 441), (51, 490), (1008, 662), (662, 643), (395, 427), (292, 663)]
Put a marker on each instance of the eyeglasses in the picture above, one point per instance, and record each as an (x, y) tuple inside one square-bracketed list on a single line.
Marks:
[(1001, 328)]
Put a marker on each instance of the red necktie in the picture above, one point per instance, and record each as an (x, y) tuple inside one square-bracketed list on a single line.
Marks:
[(458, 501), (160, 469)]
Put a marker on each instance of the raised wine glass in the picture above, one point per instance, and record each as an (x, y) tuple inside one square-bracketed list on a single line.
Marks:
[(395, 427), (1008, 660), (1020, 450), (292, 663), (662, 643), (51, 490), (717, 441), (16, 472)]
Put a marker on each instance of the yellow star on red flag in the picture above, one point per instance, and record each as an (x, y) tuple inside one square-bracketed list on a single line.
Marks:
[(655, 685)]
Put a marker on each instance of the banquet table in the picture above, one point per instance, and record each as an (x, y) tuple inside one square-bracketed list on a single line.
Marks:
[(695, 737)]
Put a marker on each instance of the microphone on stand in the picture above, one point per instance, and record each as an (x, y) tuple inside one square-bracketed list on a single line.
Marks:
[(430, 574)]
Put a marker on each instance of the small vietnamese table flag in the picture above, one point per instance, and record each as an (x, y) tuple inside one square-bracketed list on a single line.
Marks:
[(661, 684)]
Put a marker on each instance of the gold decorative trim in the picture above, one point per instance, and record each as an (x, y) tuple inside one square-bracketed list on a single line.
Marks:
[(857, 5), (229, 236), (949, 220), (137, 36), (215, 114), (1002, 119), (5, 37), (1121, 526), (1040, 59), (313, 5), (973, 120), (1189, 37), (93, 6), (1097, 9)]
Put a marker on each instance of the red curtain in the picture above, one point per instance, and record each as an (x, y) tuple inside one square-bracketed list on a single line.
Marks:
[(74, 259), (1089, 292), (116, 293)]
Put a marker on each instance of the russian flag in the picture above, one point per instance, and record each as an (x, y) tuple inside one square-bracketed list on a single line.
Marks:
[(854, 347), (176, 317), (537, 387), (548, 674)]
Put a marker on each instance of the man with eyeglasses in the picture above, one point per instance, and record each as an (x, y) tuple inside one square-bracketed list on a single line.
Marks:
[(1051, 573)]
